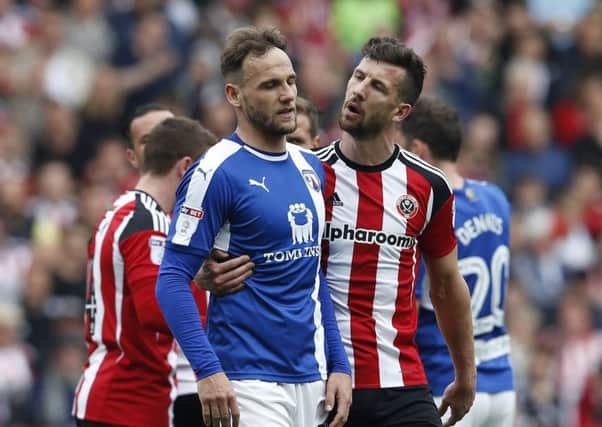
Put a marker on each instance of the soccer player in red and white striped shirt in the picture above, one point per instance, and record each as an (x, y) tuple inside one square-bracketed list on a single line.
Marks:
[(385, 209), (128, 379)]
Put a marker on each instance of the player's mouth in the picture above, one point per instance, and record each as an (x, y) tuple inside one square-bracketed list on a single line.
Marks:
[(287, 113), (352, 109)]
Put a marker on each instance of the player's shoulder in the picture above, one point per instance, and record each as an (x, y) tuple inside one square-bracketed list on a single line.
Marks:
[(486, 189), (486, 194), (328, 153), (207, 166), (216, 155), (435, 176), (293, 148), (308, 155), (145, 216)]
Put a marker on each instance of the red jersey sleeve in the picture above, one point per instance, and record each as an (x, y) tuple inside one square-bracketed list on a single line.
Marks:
[(438, 239), (142, 253)]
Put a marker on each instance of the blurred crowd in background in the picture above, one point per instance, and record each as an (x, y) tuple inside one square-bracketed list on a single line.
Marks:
[(526, 77)]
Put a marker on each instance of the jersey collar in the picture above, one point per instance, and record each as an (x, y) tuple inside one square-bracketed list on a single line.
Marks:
[(265, 155), (367, 168)]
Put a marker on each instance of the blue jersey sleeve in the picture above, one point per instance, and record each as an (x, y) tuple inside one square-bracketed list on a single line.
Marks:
[(201, 205), (181, 313), (337, 358)]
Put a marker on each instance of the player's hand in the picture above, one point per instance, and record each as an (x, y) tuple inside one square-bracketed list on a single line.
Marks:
[(458, 397), (338, 390), (218, 401), (221, 275)]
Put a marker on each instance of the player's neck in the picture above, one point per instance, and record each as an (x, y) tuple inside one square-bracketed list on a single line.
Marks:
[(367, 151), (160, 188), (261, 140), (451, 171)]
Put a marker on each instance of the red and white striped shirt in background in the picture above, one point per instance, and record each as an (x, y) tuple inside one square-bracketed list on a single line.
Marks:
[(378, 221), (129, 378)]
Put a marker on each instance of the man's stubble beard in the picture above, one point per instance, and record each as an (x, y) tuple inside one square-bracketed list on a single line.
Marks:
[(266, 123), (363, 130)]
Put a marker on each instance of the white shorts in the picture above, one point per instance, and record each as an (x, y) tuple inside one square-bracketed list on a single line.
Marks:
[(279, 404), (488, 410)]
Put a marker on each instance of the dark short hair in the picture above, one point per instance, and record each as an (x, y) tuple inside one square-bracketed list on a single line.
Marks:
[(304, 106), (437, 125), (392, 51), (173, 139), (139, 112), (246, 41)]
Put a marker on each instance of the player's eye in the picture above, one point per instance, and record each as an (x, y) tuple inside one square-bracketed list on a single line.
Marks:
[(379, 86)]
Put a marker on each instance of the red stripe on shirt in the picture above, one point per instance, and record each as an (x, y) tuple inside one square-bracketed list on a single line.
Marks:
[(102, 383), (362, 281), (405, 318)]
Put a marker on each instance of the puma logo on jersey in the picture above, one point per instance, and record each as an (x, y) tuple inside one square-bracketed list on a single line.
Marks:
[(259, 184), (199, 169)]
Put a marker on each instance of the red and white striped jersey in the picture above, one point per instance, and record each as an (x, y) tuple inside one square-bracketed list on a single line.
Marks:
[(128, 379), (379, 219)]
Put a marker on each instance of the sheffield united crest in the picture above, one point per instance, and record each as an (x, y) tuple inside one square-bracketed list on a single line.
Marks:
[(407, 206)]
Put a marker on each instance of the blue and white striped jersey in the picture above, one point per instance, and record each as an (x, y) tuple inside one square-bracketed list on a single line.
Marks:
[(482, 225)]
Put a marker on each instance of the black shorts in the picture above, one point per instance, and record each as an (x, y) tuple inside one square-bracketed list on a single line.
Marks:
[(187, 411), (393, 407), (85, 423)]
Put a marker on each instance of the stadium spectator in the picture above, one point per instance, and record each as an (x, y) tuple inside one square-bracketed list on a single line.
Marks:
[(16, 379)]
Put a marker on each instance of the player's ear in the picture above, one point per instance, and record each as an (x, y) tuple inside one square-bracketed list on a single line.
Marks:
[(315, 143), (131, 156), (403, 111), (183, 164), (232, 92)]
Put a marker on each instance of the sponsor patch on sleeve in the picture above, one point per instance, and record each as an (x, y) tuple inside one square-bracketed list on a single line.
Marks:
[(193, 212), (186, 224), (157, 249)]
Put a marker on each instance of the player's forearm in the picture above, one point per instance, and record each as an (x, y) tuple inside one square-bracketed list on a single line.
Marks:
[(181, 313), (451, 302), (337, 358)]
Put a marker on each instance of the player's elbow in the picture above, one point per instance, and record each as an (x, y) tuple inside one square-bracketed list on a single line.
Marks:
[(154, 323), (447, 287), (162, 291), (440, 286)]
